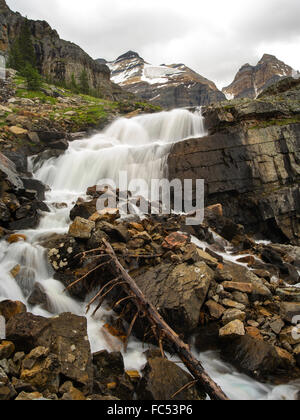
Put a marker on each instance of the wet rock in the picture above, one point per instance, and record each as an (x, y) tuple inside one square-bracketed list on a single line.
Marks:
[(290, 311), (39, 297), (232, 330), (178, 292), (65, 336), (253, 357), (207, 337), (162, 379), (110, 377), (9, 309), (277, 326), (7, 348), (83, 209), (41, 369), (35, 185), (81, 228), (4, 213)]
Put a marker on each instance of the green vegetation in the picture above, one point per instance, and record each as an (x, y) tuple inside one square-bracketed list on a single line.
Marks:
[(276, 122), (84, 83)]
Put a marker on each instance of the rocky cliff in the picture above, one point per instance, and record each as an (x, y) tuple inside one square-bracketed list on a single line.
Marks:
[(250, 161), (170, 86), (57, 59), (250, 81)]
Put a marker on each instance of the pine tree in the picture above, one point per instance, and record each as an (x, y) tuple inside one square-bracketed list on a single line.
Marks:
[(32, 76), (84, 83), (22, 51)]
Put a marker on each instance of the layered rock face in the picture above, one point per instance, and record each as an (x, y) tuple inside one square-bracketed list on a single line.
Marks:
[(250, 162), (250, 81), (57, 59), (170, 86)]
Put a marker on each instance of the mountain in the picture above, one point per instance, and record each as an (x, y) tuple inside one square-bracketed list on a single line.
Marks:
[(57, 59), (250, 81), (170, 86)]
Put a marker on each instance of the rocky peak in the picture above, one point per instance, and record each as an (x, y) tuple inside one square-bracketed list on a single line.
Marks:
[(128, 56), (169, 86), (250, 80)]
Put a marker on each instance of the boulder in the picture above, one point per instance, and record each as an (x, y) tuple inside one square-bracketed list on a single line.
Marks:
[(65, 336), (216, 311), (83, 209), (179, 292), (254, 357), (232, 315), (162, 379)]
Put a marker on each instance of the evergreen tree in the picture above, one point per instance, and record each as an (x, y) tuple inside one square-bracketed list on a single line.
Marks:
[(74, 86), (22, 51), (84, 83), (33, 78)]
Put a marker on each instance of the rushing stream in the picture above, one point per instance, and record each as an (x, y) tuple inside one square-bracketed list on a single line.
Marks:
[(140, 146)]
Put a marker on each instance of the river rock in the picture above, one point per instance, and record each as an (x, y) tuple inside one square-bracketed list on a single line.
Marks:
[(81, 228), (162, 379), (65, 336), (179, 292), (232, 329), (253, 357), (216, 311), (9, 309)]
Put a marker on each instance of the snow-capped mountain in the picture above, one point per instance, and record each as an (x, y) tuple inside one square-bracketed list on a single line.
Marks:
[(170, 86), (250, 81)]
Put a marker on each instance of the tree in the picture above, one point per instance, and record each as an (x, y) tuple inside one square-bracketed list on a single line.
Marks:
[(22, 51), (74, 86), (84, 83), (32, 76)]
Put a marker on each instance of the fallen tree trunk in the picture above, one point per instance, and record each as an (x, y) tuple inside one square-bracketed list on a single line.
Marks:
[(162, 329)]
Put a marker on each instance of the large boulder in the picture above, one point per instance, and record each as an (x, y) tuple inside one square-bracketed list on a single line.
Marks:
[(162, 379), (65, 336), (178, 292)]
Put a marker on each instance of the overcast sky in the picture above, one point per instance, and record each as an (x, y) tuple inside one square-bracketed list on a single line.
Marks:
[(213, 37)]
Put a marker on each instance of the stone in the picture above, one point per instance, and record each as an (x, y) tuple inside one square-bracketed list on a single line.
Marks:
[(240, 287), (162, 379), (232, 315), (81, 228), (254, 357), (290, 311), (17, 131), (232, 329), (232, 304), (65, 336), (70, 393), (7, 348), (41, 370), (10, 309), (290, 335), (216, 311), (241, 298), (16, 237), (175, 240), (254, 333), (30, 396), (277, 326), (178, 292)]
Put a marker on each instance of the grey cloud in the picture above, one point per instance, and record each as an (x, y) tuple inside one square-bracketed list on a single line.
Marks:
[(214, 38)]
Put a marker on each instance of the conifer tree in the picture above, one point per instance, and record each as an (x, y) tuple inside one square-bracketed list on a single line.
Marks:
[(84, 83)]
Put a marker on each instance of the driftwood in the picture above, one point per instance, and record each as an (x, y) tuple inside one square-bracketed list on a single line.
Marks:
[(160, 328)]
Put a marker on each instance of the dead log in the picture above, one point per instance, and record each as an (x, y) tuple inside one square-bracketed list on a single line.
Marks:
[(162, 329)]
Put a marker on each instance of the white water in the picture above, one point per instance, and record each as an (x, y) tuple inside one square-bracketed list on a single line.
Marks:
[(141, 147)]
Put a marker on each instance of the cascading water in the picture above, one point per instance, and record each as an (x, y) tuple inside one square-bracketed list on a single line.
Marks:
[(140, 146)]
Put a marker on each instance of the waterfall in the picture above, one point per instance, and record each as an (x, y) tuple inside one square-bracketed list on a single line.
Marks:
[(140, 146)]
